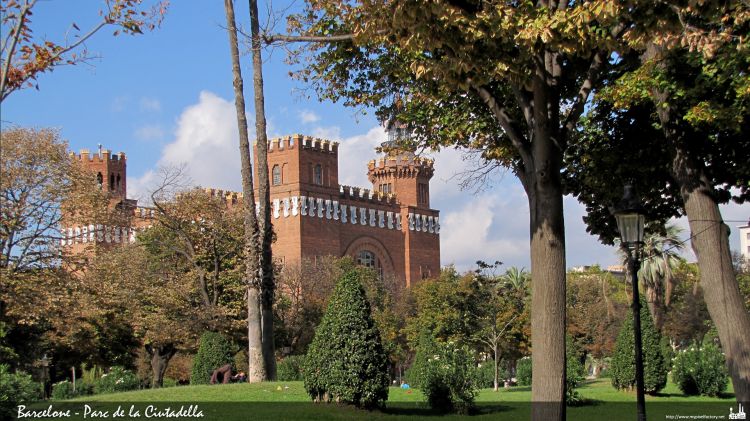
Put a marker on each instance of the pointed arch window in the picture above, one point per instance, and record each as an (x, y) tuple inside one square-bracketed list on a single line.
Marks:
[(276, 175), (318, 175)]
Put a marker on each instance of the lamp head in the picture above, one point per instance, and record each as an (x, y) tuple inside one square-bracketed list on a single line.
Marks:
[(630, 217)]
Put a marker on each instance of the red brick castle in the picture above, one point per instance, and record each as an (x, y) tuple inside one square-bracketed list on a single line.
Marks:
[(390, 227)]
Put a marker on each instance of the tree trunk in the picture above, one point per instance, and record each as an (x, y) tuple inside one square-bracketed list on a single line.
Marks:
[(655, 306), (710, 241), (256, 367), (160, 356), (496, 371), (547, 298), (266, 230)]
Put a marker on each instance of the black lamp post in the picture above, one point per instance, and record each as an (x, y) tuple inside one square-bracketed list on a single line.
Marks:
[(630, 221)]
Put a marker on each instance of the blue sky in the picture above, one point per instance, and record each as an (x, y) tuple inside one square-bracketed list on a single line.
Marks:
[(165, 98)]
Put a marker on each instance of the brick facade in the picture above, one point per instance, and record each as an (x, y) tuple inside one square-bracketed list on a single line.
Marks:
[(390, 227)]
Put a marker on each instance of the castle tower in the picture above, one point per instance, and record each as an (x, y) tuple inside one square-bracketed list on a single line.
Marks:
[(110, 170), (400, 171)]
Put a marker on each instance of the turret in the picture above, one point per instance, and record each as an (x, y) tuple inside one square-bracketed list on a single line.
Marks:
[(399, 171), (110, 170)]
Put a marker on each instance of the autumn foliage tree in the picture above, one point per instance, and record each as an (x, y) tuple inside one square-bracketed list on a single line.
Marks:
[(41, 188), (24, 56)]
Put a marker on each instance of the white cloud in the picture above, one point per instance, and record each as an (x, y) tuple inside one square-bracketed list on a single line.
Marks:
[(119, 103), (149, 132), (206, 143), (307, 117), (150, 104)]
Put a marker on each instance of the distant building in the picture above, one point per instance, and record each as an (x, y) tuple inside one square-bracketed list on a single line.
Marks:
[(390, 227), (745, 241)]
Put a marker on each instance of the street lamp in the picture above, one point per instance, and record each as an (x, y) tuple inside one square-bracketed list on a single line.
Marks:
[(630, 221)]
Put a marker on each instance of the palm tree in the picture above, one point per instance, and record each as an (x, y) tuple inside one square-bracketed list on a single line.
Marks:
[(516, 279), (661, 254)]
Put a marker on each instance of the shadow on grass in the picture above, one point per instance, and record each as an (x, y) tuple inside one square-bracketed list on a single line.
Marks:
[(422, 410), (586, 402)]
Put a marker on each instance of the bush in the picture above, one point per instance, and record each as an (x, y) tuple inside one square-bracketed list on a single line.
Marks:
[(16, 388), (346, 361), (64, 390), (169, 382), (485, 374), (574, 373), (700, 370), (523, 371), (215, 350), (446, 374), (623, 361), (117, 379), (290, 368)]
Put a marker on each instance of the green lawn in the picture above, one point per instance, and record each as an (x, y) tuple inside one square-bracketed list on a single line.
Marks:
[(288, 401)]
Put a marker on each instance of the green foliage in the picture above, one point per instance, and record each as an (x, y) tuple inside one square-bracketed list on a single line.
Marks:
[(700, 370), (64, 390), (215, 350), (574, 372), (446, 374), (16, 388), (484, 376), (523, 371), (117, 379), (169, 382), (290, 368), (346, 361), (623, 362)]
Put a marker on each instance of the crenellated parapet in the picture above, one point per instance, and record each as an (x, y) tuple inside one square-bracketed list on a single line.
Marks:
[(367, 195), (103, 156), (298, 141), (405, 165), (228, 196)]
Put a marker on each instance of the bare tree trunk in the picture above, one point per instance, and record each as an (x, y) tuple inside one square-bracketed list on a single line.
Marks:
[(496, 371), (256, 366), (710, 241), (547, 296), (160, 356), (266, 230)]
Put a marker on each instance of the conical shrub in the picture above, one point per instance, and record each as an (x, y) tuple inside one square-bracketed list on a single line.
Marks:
[(623, 362), (346, 362)]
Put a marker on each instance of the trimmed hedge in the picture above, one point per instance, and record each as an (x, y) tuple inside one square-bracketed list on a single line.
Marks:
[(346, 362), (215, 350), (623, 361)]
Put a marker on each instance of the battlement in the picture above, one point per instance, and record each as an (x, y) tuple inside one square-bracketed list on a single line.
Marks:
[(367, 195), (228, 196), (104, 155), (298, 141), (400, 161)]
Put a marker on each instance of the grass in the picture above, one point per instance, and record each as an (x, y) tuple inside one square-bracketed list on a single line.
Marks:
[(288, 401)]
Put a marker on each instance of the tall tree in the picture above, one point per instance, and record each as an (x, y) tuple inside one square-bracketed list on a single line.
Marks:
[(256, 362), (661, 257), (689, 80), (509, 79), (264, 191), (23, 57)]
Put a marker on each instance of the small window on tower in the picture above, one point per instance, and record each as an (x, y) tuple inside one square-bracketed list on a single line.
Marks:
[(112, 182), (276, 175), (99, 179), (318, 175)]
